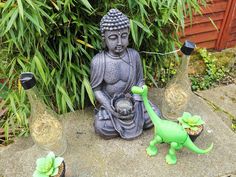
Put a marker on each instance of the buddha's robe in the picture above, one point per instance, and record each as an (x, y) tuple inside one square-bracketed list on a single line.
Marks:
[(106, 124)]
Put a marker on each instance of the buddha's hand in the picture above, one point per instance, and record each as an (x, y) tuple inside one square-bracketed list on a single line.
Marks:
[(126, 111), (121, 116), (123, 105)]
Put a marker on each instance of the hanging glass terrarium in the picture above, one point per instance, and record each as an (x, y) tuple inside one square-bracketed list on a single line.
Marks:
[(178, 90), (45, 128)]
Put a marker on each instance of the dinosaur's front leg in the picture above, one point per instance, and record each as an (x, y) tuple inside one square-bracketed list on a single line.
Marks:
[(152, 149), (171, 156)]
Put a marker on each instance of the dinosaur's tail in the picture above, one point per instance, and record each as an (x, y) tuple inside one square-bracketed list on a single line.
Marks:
[(191, 146)]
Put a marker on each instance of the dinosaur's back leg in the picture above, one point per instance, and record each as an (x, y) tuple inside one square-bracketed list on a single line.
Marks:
[(152, 149), (171, 156)]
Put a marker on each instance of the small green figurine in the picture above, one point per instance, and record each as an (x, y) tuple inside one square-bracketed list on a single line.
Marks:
[(166, 131)]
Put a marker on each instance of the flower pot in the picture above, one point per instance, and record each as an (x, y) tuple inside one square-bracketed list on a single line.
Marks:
[(194, 134), (62, 170)]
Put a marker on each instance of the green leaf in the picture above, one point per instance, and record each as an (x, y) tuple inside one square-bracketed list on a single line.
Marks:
[(40, 68), (184, 125), (2, 4), (42, 165), (145, 28), (152, 79), (134, 31), (35, 22), (66, 98), (89, 90), (55, 172), (51, 155), (30, 3), (154, 5), (200, 122), (82, 96), (50, 171), (38, 174), (11, 21), (20, 7), (57, 162), (87, 4), (51, 53), (186, 115)]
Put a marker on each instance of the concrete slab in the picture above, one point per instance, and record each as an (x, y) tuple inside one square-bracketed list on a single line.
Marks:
[(90, 156), (223, 101)]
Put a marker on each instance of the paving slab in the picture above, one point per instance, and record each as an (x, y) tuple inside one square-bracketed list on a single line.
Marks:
[(223, 101), (88, 155)]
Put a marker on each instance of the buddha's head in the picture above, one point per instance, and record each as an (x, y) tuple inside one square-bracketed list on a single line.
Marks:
[(115, 30)]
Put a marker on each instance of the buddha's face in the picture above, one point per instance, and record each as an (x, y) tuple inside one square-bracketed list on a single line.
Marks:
[(117, 41)]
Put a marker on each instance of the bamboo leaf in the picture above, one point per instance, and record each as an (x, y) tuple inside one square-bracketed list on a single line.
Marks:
[(40, 68), (87, 5), (66, 98), (134, 31), (82, 96), (154, 5), (51, 53), (5, 18), (7, 4), (63, 104), (2, 4), (11, 21), (35, 22), (212, 22), (55, 5), (20, 7), (152, 79), (30, 3), (89, 90), (84, 43), (145, 28), (6, 131)]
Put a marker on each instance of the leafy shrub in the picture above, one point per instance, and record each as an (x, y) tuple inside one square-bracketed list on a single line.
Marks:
[(57, 40)]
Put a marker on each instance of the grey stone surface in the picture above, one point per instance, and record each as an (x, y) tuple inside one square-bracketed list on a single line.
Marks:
[(90, 156), (223, 100)]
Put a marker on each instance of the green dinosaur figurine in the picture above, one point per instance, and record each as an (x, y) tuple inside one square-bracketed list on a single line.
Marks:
[(166, 131)]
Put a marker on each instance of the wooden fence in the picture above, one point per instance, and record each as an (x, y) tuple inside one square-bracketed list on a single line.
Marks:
[(218, 35)]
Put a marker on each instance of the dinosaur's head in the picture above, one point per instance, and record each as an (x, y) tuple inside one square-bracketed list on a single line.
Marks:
[(140, 90)]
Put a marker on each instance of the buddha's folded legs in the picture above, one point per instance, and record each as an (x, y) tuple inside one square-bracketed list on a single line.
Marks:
[(104, 125)]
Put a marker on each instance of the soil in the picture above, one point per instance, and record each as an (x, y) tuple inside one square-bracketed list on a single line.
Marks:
[(60, 171)]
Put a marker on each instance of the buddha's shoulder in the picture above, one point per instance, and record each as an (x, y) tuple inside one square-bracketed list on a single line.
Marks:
[(134, 53), (98, 57)]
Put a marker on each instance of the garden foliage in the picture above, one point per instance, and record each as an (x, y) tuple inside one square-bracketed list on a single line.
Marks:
[(57, 39), (212, 74)]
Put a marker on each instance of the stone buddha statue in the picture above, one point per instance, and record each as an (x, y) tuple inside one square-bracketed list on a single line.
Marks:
[(113, 72)]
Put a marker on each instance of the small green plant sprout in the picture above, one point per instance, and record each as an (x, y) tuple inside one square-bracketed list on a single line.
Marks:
[(48, 166), (191, 122)]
